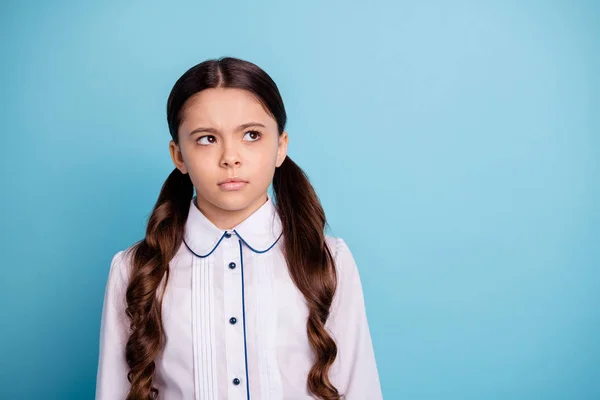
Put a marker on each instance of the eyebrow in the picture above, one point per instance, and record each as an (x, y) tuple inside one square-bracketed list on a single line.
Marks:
[(239, 128)]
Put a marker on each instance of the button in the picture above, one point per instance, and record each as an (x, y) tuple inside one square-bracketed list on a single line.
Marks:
[(236, 381), (232, 320), (232, 265), (227, 234)]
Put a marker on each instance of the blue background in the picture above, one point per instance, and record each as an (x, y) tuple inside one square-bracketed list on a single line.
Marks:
[(455, 147)]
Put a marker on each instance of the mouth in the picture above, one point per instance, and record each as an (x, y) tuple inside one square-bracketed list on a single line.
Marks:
[(232, 184)]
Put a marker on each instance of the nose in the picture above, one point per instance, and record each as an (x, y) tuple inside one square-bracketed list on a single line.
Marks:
[(230, 157), (232, 163)]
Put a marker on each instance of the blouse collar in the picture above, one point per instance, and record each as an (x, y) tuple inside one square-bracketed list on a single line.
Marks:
[(260, 231)]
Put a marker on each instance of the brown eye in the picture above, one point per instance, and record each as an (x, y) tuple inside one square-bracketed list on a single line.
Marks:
[(254, 135), (212, 140)]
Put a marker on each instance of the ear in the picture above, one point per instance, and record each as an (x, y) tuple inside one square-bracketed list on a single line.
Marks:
[(177, 157), (282, 148)]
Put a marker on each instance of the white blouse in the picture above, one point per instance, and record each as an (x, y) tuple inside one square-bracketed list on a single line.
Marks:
[(235, 323)]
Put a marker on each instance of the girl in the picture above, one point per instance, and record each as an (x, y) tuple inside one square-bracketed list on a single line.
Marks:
[(234, 294)]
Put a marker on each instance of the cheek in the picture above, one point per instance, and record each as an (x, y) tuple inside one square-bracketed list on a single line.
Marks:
[(265, 160), (269, 154), (202, 170)]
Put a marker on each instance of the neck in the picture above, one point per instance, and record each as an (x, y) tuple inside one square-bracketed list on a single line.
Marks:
[(227, 219)]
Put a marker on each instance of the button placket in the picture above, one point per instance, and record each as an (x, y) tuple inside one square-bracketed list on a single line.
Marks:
[(233, 308)]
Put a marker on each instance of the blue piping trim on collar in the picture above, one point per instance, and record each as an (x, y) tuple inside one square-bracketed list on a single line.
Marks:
[(253, 249), (244, 320), (222, 236), (210, 252)]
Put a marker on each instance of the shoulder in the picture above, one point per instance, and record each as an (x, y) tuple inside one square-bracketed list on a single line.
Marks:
[(345, 264), (120, 266), (337, 246), (341, 252), (349, 286), (331, 242)]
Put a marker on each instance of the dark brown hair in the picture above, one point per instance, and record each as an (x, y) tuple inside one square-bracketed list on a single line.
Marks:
[(310, 262)]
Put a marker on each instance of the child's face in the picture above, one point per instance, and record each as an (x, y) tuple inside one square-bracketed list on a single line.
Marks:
[(211, 157)]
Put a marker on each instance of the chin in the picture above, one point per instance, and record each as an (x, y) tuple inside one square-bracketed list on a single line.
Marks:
[(233, 201)]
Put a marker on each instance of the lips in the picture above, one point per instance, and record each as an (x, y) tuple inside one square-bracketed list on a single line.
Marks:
[(232, 180), (232, 185)]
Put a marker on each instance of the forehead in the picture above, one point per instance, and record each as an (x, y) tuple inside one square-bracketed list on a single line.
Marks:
[(223, 109)]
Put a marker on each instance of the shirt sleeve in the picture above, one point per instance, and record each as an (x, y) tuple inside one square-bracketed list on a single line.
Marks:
[(111, 379), (354, 371)]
